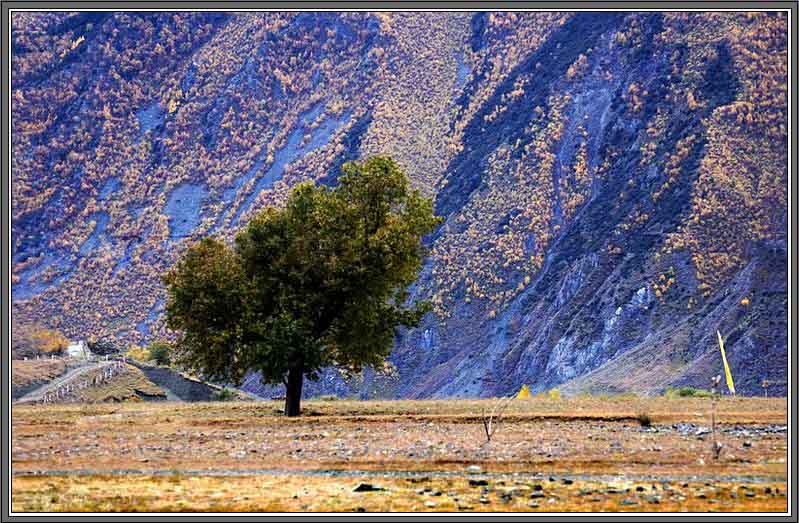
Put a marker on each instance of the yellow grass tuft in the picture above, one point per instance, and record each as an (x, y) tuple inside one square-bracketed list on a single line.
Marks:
[(524, 393)]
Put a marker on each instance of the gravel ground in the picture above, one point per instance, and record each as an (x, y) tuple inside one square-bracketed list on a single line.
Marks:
[(393, 443)]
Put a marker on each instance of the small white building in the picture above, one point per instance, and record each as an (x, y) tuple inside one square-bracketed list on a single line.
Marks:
[(78, 350)]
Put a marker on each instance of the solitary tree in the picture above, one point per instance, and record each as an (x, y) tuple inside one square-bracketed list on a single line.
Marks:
[(321, 282)]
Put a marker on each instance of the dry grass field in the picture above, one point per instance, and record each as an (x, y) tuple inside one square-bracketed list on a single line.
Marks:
[(129, 385), (582, 454), (27, 374)]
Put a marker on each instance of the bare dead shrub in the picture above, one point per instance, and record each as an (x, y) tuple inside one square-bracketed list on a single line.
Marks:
[(491, 420)]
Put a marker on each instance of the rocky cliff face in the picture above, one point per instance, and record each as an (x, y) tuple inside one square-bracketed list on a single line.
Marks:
[(613, 185)]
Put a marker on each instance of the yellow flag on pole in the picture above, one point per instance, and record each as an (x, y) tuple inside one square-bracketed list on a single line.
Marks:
[(727, 373)]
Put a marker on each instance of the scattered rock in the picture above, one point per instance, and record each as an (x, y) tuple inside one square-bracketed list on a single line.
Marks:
[(473, 468), (367, 487), (484, 500), (429, 504), (477, 483)]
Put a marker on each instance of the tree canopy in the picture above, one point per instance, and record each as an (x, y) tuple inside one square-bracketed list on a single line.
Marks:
[(320, 282)]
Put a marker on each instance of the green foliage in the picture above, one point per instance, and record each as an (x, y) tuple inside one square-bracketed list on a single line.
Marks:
[(225, 394), (103, 346), (133, 57), (423, 119), (688, 392), (160, 352), (320, 282)]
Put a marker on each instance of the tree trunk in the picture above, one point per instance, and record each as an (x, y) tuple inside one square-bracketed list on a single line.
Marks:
[(293, 391)]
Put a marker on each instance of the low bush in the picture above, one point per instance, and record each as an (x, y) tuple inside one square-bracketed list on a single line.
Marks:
[(138, 353), (103, 346), (688, 392), (160, 352), (225, 394)]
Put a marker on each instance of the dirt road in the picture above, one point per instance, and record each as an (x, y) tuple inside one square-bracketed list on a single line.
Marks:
[(73, 375)]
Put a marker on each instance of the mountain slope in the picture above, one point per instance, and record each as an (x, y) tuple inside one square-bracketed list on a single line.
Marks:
[(584, 163)]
